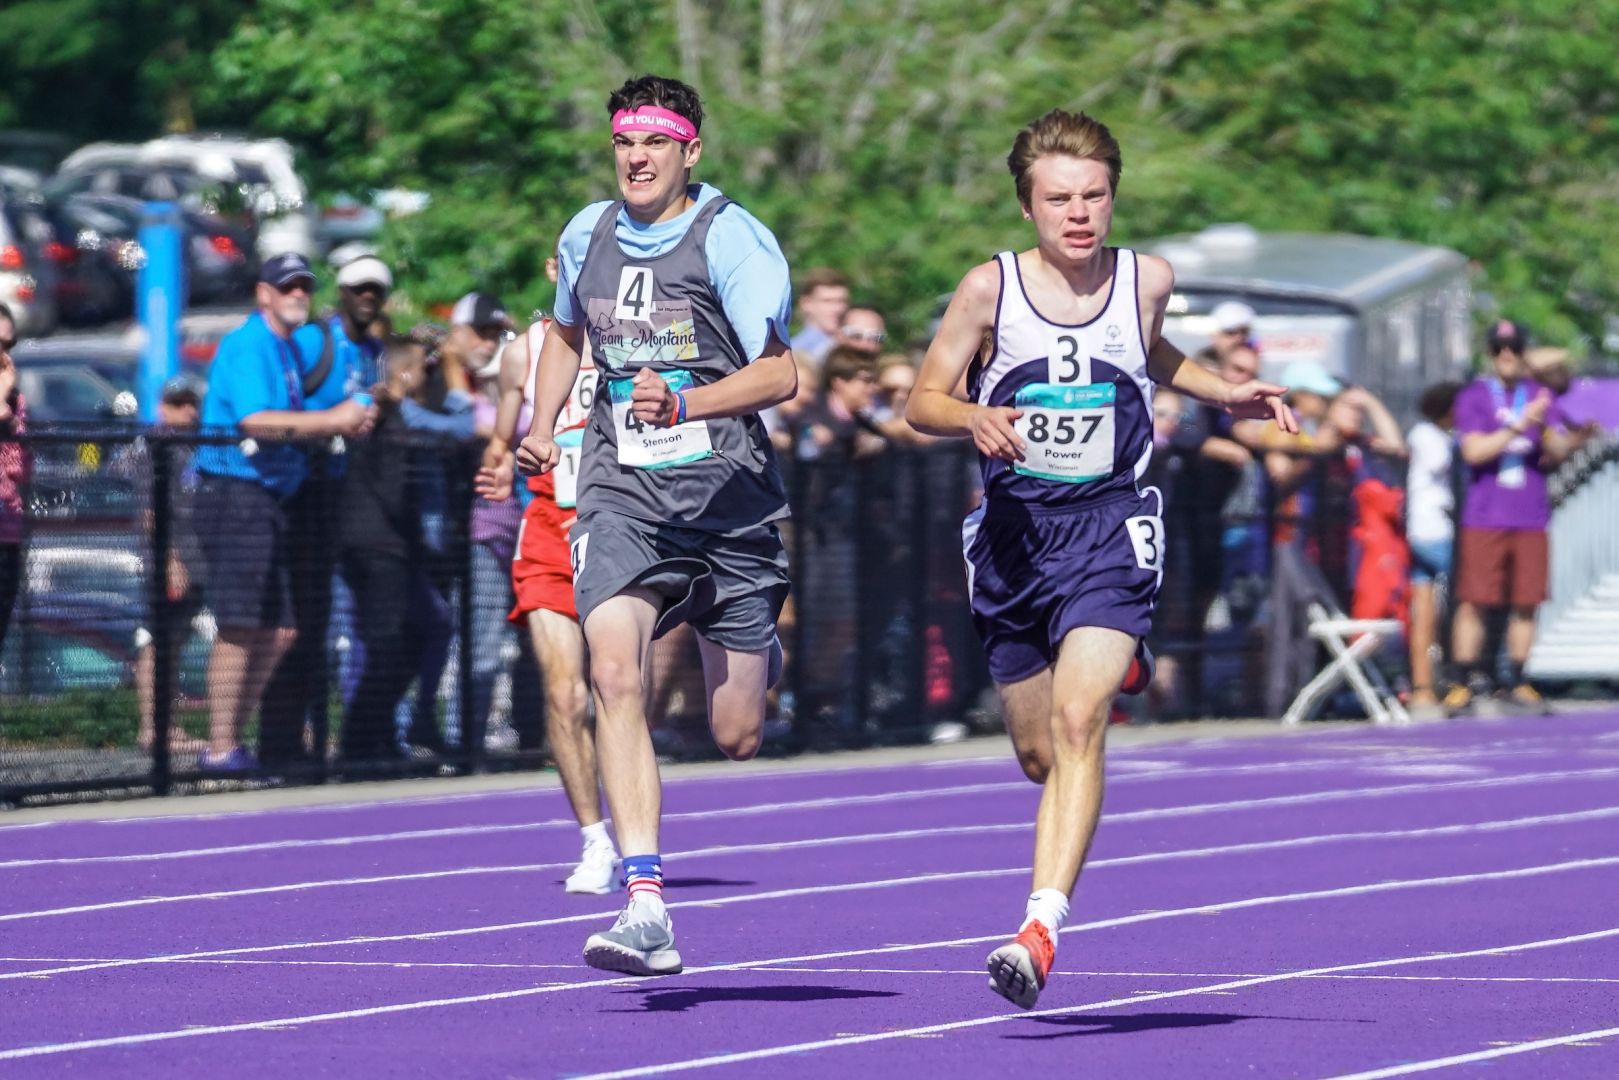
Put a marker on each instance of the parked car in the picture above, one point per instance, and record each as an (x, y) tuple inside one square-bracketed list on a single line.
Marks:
[(214, 174), (100, 235), (1390, 315), (71, 379), (28, 276)]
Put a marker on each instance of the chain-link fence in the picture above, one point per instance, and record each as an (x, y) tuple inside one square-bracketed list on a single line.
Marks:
[(149, 628)]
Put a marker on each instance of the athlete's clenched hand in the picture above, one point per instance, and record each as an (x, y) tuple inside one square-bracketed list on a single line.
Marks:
[(991, 427), (538, 455), (651, 400)]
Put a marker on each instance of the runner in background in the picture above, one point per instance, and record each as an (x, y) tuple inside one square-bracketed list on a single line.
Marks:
[(543, 581)]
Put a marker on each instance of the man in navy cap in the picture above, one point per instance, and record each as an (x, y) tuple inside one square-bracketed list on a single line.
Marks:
[(255, 390)]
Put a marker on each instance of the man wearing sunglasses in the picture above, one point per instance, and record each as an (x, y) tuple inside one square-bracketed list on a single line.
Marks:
[(256, 391), (863, 329), (339, 355)]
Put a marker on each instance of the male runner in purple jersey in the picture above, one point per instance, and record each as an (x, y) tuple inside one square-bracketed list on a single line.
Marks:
[(1060, 346)]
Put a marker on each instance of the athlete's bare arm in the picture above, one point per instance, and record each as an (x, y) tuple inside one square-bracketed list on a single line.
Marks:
[(934, 408), (553, 381), (770, 380), (1168, 366), (494, 480)]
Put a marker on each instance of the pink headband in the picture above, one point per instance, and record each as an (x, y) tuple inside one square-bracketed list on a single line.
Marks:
[(653, 119)]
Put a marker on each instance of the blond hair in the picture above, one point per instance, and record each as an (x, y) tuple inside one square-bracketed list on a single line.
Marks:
[(1062, 132)]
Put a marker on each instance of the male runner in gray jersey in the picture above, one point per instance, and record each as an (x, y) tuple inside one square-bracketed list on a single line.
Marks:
[(685, 297), (1060, 346)]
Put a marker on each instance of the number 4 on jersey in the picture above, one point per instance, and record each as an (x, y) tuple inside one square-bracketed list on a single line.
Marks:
[(634, 295)]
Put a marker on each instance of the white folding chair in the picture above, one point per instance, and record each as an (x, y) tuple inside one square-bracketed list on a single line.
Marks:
[(1351, 642)]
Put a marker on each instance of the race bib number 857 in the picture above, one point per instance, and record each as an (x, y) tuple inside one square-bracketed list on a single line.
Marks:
[(1067, 431)]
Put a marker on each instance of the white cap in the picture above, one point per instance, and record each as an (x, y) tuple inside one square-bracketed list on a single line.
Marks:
[(366, 270), (1229, 315)]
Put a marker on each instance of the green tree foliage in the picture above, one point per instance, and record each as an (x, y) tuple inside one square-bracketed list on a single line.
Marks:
[(872, 135), (108, 69)]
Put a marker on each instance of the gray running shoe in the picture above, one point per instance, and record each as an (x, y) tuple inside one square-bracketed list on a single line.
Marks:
[(641, 942)]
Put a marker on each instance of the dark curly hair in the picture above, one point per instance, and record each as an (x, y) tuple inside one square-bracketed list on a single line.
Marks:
[(671, 94)]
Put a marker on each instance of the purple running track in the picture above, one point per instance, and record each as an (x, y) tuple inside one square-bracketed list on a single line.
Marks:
[(1362, 902)]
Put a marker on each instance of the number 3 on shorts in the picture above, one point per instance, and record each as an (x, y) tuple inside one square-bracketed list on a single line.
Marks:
[(1147, 537)]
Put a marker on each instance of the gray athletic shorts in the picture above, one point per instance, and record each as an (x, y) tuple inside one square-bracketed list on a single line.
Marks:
[(730, 587)]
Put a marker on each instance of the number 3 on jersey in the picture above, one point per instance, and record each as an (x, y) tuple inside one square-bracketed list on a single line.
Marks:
[(634, 295), (1066, 367)]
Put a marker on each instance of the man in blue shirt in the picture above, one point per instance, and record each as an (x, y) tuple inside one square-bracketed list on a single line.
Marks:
[(339, 356), (255, 390)]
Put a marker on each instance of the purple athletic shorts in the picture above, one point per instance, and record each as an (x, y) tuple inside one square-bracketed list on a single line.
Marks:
[(1036, 574)]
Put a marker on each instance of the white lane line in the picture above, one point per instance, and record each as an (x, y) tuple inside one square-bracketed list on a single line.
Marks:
[(506, 995), (858, 886), (1334, 742), (1479, 1055), (1113, 1003), (314, 963), (977, 972), (833, 841), (752, 772), (527, 826), (1262, 802)]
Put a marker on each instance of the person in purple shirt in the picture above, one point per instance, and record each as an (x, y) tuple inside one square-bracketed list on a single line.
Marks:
[(1510, 433)]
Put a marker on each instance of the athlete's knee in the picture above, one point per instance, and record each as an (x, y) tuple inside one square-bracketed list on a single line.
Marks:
[(739, 746), (566, 701), (615, 678), (1036, 763), (738, 731), (1078, 725)]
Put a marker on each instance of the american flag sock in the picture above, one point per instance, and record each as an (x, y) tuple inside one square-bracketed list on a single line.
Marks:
[(643, 874)]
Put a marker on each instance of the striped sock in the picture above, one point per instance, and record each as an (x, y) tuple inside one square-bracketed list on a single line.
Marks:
[(644, 876)]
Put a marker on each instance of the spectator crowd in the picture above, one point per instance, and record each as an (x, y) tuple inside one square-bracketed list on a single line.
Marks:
[(325, 518)]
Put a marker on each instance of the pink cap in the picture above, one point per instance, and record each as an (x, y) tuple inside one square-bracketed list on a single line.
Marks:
[(656, 120)]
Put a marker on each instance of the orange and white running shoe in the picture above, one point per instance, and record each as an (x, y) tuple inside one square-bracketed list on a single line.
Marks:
[(1018, 969), (1142, 666)]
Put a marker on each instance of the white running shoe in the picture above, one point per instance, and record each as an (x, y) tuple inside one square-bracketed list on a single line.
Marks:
[(597, 872), (641, 942)]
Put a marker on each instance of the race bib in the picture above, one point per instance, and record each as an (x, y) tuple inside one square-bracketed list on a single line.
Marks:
[(576, 410), (1067, 431), (646, 446), (571, 444)]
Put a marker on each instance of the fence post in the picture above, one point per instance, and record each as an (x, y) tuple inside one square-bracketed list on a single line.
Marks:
[(163, 659), (865, 636), (472, 727), (795, 498), (920, 579)]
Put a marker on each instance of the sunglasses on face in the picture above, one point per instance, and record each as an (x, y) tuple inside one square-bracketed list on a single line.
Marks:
[(873, 336), (294, 287), (370, 288)]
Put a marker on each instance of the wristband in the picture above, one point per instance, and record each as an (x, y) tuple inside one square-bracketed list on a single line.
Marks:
[(680, 408)]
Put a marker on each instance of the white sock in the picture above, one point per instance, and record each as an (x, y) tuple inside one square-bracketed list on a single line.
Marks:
[(1050, 907), (596, 834)]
